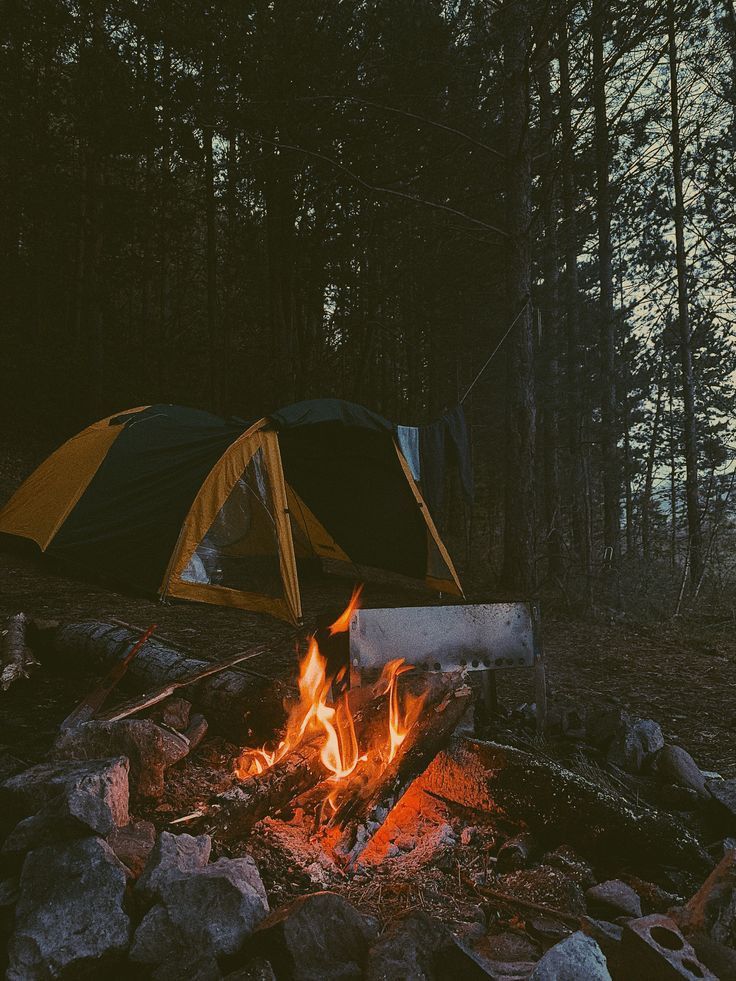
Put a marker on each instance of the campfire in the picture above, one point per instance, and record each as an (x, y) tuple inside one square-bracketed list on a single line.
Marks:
[(346, 754), (375, 804)]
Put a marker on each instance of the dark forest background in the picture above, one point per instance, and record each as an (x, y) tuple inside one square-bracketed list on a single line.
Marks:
[(239, 204)]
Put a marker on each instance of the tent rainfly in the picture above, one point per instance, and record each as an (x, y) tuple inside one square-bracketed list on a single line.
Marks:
[(182, 503)]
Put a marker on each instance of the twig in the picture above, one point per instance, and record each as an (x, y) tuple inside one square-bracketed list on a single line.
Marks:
[(504, 897)]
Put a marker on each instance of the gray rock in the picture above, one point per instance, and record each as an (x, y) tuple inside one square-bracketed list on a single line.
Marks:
[(149, 748), (133, 845), (724, 791), (69, 918), (171, 857), (510, 947), (106, 779), (175, 712), (208, 913), (613, 898), (319, 937), (607, 936), (635, 744), (417, 947), (576, 958), (674, 765)]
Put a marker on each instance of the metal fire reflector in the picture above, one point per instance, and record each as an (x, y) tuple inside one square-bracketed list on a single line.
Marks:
[(483, 637)]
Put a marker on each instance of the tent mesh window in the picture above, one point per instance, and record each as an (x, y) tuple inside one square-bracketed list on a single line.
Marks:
[(240, 550)]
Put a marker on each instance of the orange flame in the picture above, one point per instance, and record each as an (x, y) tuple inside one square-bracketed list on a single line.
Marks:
[(312, 716), (343, 621)]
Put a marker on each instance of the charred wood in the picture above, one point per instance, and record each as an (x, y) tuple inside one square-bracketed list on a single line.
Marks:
[(16, 657)]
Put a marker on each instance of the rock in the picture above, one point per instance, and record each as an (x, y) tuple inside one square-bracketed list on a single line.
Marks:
[(73, 815), (607, 936), (69, 918), (172, 856), (602, 727), (568, 861), (415, 947), (547, 930), (209, 912), (257, 969), (712, 910), (175, 712), (133, 845), (106, 779), (575, 958), (675, 797), (149, 748), (654, 899), (318, 937), (516, 852), (635, 744), (653, 947), (611, 899), (718, 958), (674, 765), (724, 792)]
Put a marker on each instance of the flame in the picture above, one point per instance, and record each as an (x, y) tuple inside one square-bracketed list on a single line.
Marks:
[(313, 717), (343, 621), (399, 721)]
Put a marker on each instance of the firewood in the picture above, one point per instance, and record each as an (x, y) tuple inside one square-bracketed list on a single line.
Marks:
[(243, 706), (265, 794), (362, 815), (16, 658), (560, 806), (90, 705)]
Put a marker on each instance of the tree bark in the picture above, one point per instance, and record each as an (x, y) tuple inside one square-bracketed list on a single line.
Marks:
[(550, 321), (579, 441), (695, 539), (609, 443), (518, 575)]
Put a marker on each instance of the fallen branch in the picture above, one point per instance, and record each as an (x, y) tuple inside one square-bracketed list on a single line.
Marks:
[(504, 897), (16, 658), (151, 698), (241, 706), (90, 705)]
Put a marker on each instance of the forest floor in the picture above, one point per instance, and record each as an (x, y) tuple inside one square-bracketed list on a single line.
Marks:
[(680, 672)]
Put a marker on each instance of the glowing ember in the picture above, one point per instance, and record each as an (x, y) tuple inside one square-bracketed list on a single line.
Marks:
[(332, 727)]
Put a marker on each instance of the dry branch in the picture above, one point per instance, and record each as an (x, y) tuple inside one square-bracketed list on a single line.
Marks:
[(16, 658)]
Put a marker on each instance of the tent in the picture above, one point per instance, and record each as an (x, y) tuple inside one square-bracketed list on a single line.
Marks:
[(185, 504)]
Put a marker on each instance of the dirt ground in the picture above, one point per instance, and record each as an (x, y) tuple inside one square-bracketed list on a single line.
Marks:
[(680, 672)]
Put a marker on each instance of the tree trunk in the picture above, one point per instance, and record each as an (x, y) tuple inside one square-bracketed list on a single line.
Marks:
[(518, 574), (550, 322), (646, 501), (581, 523), (609, 443), (695, 540)]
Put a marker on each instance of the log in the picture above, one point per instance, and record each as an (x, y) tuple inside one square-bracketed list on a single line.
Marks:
[(15, 656), (243, 706), (562, 807), (363, 814), (236, 810)]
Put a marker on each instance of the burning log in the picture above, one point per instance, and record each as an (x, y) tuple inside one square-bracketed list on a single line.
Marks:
[(16, 658), (295, 774), (362, 814), (238, 703)]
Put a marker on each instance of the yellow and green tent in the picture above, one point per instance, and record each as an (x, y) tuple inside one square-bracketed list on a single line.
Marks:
[(183, 503)]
